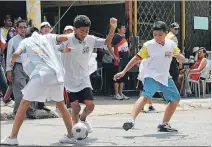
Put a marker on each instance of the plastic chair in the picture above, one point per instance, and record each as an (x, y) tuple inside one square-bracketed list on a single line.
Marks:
[(205, 78)]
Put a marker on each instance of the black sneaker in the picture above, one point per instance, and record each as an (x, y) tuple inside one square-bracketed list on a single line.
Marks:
[(152, 109), (166, 128), (128, 125)]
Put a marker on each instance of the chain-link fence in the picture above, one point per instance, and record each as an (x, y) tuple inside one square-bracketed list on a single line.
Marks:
[(148, 12), (197, 37)]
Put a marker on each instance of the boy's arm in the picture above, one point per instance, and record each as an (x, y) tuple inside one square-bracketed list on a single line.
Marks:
[(113, 25), (178, 55), (143, 53)]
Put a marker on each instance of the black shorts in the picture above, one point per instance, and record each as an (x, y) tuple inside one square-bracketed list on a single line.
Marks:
[(140, 85), (124, 79), (81, 96)]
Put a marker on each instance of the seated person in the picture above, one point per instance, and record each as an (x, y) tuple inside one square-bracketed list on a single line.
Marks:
[(198, 66)]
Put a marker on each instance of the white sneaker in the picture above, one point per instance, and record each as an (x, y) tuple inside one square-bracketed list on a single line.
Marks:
[(68, 140), (11, 104), (2, 103), (118, 97), (125, 97), (9, 141), (90, 128)]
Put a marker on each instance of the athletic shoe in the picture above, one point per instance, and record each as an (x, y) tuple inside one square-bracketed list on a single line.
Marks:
[(68, 140), (166, 128), (9, 141), (125, 97), (2, 103), (11, 103), (152, 109), (88, 125), (128, 125), (118, 97)]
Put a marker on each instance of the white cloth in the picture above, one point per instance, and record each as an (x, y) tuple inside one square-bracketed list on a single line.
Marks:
[(41, 58), (159, 61), (92, 63), (76, 63), (142, 68), (36, 91)]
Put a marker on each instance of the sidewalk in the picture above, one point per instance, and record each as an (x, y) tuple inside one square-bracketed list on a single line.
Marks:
[(109, 106)]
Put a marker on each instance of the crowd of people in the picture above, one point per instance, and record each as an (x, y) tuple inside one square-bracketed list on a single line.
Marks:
[(42, 66)]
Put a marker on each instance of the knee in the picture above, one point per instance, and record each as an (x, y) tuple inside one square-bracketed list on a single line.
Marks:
[(61, 107), (174, 103), (90, 105), (75, 108), (146, 99), (25, 103)]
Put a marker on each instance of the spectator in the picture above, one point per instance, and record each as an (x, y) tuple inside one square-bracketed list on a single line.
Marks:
[(174, 67), (16, 75), (120, 53), (45, 28), (68, 30)]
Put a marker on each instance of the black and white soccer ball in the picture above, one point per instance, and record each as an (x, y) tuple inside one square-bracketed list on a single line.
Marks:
[(80, 131)]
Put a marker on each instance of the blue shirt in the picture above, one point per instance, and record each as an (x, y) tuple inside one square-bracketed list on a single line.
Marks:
[(11, 48)]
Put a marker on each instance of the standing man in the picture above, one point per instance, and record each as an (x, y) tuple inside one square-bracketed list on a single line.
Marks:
[(174, 67), (120, 53), (45, 28), (76, 64), (68, 30), (16, 74)]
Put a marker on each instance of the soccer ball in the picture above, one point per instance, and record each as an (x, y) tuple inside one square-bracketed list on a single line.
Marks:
[(80, 131)]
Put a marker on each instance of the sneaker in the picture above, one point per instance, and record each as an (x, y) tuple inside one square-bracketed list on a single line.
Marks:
[(118, 97), (68, 140), (11, 104), (2, 103), (166, 128), (9, 141), (125, 97), (128, 125), (152, 109), (90, 128)]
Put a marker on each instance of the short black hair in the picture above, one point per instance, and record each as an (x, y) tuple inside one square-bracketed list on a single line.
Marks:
[(204, 50), (160, 26), (6, 17), (119, 25), (21, 21), (82, 21), (30, 31)]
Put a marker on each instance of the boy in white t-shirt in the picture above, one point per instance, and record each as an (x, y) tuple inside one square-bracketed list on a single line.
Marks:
[(159, 51), (42, 65), (76, 64)]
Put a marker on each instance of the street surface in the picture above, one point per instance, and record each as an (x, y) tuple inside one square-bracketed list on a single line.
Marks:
[(194, 127)]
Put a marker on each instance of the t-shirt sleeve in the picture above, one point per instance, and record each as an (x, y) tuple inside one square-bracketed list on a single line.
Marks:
[(52, 37), (99, 42), (22, 46), (115, 39), (176, 49), (143, 53)]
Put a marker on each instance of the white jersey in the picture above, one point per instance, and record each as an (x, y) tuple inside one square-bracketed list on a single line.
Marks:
[(160, 57), (76, 63)]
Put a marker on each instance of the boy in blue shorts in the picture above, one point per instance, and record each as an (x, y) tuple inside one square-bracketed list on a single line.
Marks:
[(159, 52)]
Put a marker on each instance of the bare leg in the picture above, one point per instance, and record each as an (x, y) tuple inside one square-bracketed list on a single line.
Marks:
[(19, 118), (66, 117), (87, 110), (116, 88), (139, 104), (121, 87), (170, 109), (75, 112)]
